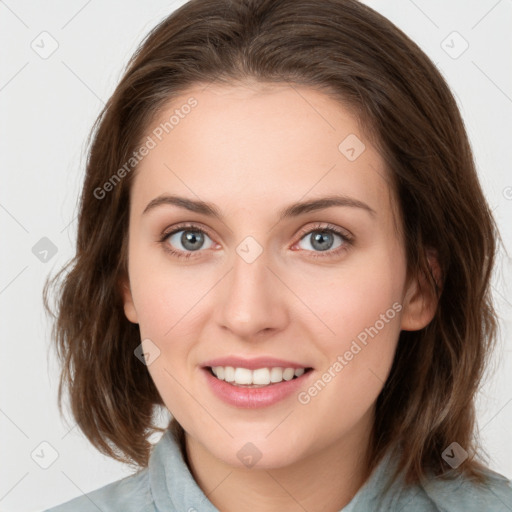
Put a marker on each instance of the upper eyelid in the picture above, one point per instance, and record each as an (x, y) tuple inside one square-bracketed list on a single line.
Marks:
[(326, 226), (191, 227), (318, 226)]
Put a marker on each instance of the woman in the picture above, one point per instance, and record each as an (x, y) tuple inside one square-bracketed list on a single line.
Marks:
[(283, 242)]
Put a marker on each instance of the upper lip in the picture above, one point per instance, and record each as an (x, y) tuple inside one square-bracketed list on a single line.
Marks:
[(254, 363)]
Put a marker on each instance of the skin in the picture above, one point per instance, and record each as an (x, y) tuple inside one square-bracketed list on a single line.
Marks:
[(253, 149)]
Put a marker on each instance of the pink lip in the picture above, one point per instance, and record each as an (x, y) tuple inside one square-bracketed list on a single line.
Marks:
[(253, 364), (252, 398)]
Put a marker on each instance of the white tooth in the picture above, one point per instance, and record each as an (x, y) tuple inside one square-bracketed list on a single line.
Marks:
[(229, 374), (243, 376), (276, 374), (288, 373), (261, 376)]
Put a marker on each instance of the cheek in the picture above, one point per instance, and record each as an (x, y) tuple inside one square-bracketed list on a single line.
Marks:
[(358, 359), (361, 351), (360, 312), (354, 300), (167, 300), (165, 295), (166, 316), (373, 311)]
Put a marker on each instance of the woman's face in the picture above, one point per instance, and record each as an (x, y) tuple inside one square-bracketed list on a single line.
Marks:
[(263, 283)]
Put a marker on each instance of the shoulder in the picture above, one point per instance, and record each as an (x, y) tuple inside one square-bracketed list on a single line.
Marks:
[(130, 494), (450, 492), (461, 494)]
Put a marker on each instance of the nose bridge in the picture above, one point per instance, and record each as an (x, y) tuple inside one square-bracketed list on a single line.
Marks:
[(251, 301)]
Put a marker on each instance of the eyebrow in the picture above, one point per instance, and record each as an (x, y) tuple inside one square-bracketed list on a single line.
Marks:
[(293, 210)]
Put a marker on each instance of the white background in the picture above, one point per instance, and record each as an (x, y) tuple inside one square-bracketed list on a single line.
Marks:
[(47, 108)]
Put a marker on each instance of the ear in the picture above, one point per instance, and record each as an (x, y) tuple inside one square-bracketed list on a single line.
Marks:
[(129, 307), (420, 303)]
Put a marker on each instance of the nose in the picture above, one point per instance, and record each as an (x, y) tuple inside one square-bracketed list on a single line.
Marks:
[(252, 299)]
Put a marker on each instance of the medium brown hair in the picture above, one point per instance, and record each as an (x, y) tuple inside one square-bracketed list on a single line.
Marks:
[(351, 52)]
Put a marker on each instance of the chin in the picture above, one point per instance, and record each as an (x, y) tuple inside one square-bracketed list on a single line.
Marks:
[(257, 449)]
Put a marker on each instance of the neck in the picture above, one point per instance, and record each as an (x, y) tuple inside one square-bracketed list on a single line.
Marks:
[(325, 480)]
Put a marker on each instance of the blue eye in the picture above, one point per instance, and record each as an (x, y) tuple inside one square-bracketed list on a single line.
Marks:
[(192, 238), (322, 238)]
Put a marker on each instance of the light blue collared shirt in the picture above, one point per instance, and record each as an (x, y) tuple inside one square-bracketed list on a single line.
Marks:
[(167, 485)]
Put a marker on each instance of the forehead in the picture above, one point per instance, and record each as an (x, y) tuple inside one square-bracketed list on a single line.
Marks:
[(258, 145)]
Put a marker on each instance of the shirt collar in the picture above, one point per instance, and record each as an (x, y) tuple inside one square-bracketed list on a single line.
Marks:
[(172, 485)]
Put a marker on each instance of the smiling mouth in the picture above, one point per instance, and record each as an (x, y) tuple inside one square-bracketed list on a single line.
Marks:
[(258, 378)]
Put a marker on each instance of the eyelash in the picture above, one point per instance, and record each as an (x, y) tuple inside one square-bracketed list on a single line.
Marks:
[(326, 228)]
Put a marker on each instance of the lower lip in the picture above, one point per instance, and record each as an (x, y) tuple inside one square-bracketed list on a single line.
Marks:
[(253, 398)]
